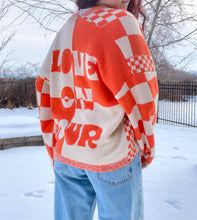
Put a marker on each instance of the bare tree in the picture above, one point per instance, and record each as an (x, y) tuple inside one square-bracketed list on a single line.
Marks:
[(5, 38), (47, 13), (169, 22), (166, 18)]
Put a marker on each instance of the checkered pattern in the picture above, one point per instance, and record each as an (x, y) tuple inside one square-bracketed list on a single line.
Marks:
[(130, 137), (139, 98), (48, 126), (126, 75), (140, 64), (138, 95), (104, 16)]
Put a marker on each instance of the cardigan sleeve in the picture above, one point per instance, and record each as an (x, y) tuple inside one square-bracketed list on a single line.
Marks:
[(48, 126), (128, 70)]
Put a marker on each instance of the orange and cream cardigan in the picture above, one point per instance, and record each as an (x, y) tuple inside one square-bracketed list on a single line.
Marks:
[(97, 92)]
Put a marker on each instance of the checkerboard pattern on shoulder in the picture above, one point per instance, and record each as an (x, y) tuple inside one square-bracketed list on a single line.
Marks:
[(103, 17), (128, 39)]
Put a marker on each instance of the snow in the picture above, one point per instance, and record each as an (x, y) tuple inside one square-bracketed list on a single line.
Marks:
[(27, 179), (19, 122)]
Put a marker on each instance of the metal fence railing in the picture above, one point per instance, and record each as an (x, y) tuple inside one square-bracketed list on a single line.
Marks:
[(178, 103), (177, 100)]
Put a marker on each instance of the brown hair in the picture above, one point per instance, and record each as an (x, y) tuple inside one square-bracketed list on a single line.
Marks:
[(135, 7), (86, 3)]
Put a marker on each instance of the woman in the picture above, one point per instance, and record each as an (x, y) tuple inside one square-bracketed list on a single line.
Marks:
[(97, 94)]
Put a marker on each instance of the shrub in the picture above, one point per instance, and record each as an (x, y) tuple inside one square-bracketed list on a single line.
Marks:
[(16, 93)]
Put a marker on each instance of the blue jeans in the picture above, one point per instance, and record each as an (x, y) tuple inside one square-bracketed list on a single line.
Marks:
[(118, 194)]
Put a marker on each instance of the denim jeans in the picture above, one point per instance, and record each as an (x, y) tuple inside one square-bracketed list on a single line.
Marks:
[(118, 194)]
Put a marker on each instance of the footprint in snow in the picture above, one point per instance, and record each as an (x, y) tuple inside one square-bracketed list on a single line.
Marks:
[(36, 194), (51, 182), (179, 158), (40, 191), (174, 204), (28, 194), (159, 156)]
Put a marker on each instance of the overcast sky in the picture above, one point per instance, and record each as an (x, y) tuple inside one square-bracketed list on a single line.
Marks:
[(31, 45)]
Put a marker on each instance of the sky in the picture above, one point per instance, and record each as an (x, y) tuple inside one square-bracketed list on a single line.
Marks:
[(31, 44)]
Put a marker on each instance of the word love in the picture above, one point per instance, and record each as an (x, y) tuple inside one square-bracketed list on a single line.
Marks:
[(77, 63)]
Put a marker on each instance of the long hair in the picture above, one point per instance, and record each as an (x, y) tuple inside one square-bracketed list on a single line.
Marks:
[(135, 7)]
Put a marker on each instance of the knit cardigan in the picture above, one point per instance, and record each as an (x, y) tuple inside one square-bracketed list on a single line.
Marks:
[(97, 92)]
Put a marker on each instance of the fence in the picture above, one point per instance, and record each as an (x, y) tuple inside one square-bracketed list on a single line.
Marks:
[(20, 93), (177, 100), (178, 103)]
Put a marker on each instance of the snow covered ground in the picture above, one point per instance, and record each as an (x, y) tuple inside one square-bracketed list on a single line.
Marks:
[(19, 122), (27, 180)]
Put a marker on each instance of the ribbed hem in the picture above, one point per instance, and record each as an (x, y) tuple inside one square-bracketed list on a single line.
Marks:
[(91, 167)]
